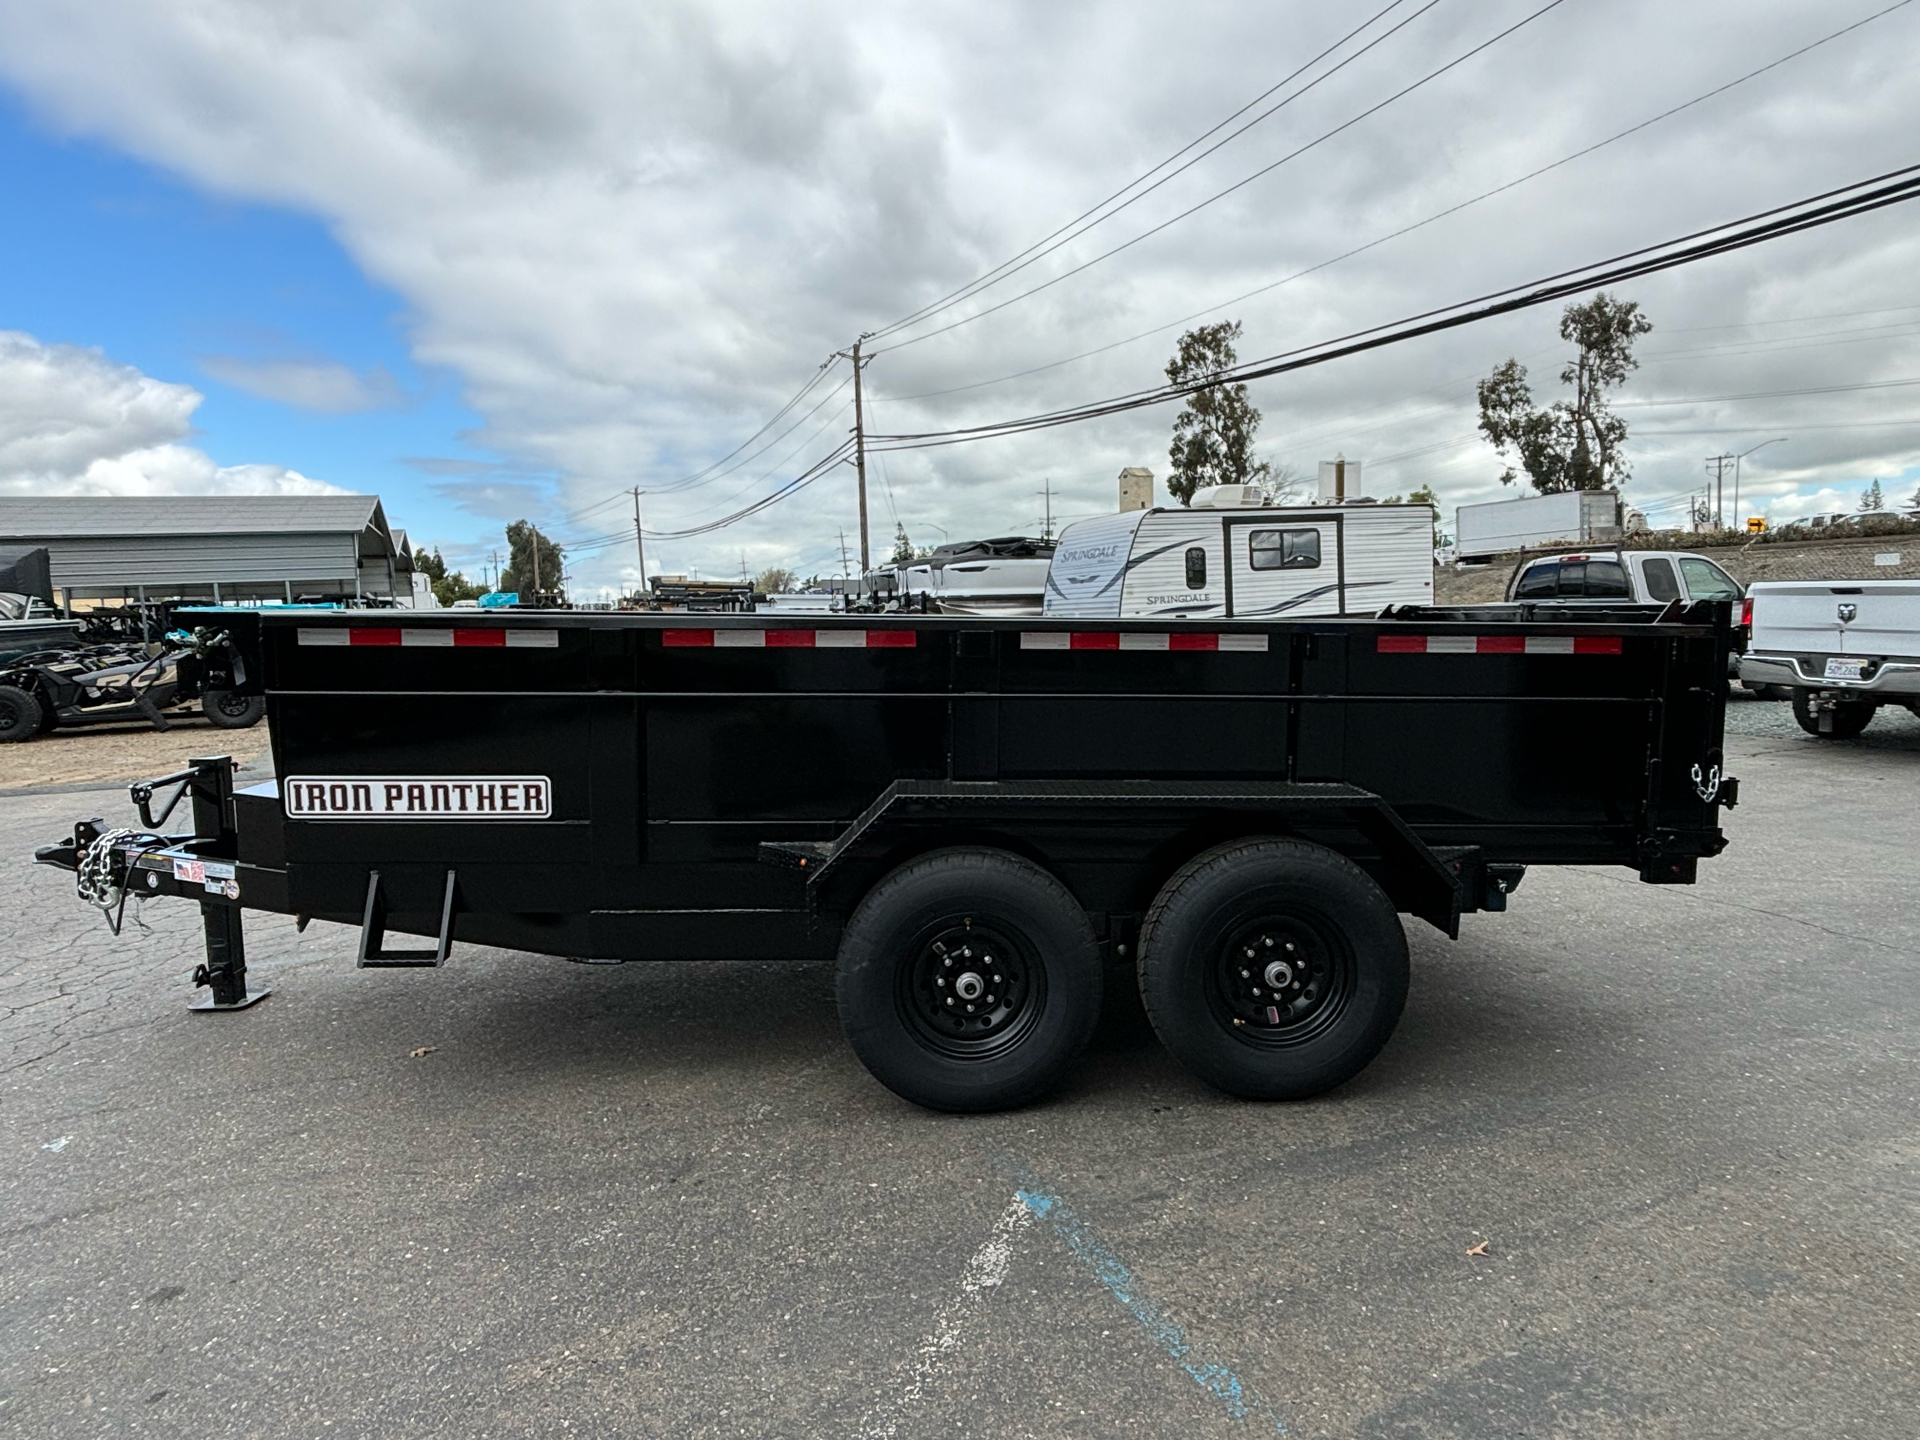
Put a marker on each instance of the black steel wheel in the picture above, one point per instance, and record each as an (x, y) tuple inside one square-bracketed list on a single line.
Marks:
[(1846, 720), (21, 717), (968, 980), (1273, 969), (231, 710)]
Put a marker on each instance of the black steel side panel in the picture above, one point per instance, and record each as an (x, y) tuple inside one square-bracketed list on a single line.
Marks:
[(672, 758)]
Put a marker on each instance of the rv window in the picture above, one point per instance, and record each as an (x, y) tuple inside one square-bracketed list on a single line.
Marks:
[(1539, 583), (1284, 549), (1606, 580), (1661, 584), (1197, 568)]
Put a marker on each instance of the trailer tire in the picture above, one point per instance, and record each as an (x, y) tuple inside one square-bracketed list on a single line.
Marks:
[(901, 960), (230, 710), (1849, 717), (1273, 969), (21, 716)]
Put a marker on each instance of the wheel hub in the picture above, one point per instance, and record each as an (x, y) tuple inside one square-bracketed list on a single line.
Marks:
[(1274, 975), (969, 986)]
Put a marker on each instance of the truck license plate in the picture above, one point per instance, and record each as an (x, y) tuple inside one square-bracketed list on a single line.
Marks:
[(1844, 669)]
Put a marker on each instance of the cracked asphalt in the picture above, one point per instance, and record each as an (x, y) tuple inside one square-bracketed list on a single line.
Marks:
[(665, 1200)]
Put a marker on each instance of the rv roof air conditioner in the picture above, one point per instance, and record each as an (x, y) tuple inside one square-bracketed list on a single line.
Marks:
[(1230, 497)]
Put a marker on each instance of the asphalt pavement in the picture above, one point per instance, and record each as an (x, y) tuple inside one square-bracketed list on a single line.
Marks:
[(1640, 1161)]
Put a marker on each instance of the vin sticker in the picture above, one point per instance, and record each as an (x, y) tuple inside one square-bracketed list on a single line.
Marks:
[(417, 797)]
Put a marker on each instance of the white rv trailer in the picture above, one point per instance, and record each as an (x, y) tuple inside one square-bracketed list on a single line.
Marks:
[(1215, 562)]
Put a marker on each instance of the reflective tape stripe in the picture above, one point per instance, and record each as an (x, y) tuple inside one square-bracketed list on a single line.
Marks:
[(1498, 645), (784, 639), (411, 637), (1141, 640)]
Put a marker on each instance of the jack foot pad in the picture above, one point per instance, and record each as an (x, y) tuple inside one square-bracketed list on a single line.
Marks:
[(208, 1007)]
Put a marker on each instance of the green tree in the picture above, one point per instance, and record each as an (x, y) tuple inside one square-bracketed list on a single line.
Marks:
[(1424, 496), (775, 581), (521, 574), (448, 585), (1873, 498), (1213, 434), (1572, 444)]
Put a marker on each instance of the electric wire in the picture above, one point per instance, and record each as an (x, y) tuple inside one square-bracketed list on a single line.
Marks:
[(1092, 217), (1827, 207), (1319, 140), (1441, 215)]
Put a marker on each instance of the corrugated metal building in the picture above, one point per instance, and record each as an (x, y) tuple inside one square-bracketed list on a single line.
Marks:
[(212, 547)]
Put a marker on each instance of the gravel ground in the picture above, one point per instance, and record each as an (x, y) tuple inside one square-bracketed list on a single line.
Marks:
[(102, 754), (1640, 1162)]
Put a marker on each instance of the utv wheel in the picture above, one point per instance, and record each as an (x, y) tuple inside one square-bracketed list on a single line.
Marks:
[(1273, 969), (1846, 720), (232, 711), (968, 980), (21, 717)]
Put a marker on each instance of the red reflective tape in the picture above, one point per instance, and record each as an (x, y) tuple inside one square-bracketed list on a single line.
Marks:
[(1188, 640), (1402, 645), (789, 639), (892, 639), (374, 635), (1500, 644), (686, 637), (1094, 640), (1596, 644), (465, 636)]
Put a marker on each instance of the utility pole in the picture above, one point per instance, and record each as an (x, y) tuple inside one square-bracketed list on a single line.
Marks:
[(860, 446), (1046, 521), (1719, 465), (536, 558), (640, 540), (1738, 523)]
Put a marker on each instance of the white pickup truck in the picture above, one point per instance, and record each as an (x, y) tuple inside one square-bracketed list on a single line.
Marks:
[(1845, 647)]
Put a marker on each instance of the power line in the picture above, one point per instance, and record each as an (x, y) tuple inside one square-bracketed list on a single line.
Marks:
[(1321, 139), (1841, 203), (1441, 215), (1047, 244)]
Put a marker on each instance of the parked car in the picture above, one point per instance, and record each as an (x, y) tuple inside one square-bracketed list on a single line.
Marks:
[(1642, 577), (1843, 648)]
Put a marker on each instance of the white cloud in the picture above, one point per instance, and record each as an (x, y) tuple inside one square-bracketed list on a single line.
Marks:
[(73, 422), (634, 230), (325, 386)]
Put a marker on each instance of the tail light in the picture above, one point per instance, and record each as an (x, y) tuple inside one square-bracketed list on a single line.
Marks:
[(1746, 611)]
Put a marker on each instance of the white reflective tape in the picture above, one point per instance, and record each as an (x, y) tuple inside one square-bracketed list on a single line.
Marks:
[(839, 639), (1453, 644), (534, 639), (1550, 645), (411, 637), (313, 636), (1243, 642), (1131, 641), (1046, 640), (738, 639)]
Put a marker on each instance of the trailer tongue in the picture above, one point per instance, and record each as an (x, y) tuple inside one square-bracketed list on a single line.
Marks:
[(975, 818)]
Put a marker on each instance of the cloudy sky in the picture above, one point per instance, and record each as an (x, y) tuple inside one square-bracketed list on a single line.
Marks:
[(494, 261)]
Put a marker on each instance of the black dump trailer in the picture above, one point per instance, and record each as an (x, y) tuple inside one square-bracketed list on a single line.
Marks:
[(977, 819)]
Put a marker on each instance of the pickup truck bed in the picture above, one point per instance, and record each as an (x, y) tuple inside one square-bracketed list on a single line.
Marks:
[(1844, 647), (722, 787)]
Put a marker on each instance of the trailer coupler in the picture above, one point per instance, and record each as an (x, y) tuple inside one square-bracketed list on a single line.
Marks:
[(110, 865)]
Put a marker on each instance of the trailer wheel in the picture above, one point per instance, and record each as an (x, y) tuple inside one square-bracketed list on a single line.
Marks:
[(968, 981), (21, 717), (1273, 969), (230, 710), (1846, 720)]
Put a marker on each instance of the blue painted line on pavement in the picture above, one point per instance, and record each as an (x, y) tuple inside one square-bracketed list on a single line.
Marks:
[(1240, 1399)]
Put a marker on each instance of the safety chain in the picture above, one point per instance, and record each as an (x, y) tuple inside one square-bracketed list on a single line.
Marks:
[(93, 878)]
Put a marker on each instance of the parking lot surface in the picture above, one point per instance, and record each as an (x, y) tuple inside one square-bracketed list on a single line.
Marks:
[(1640, 1161)]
